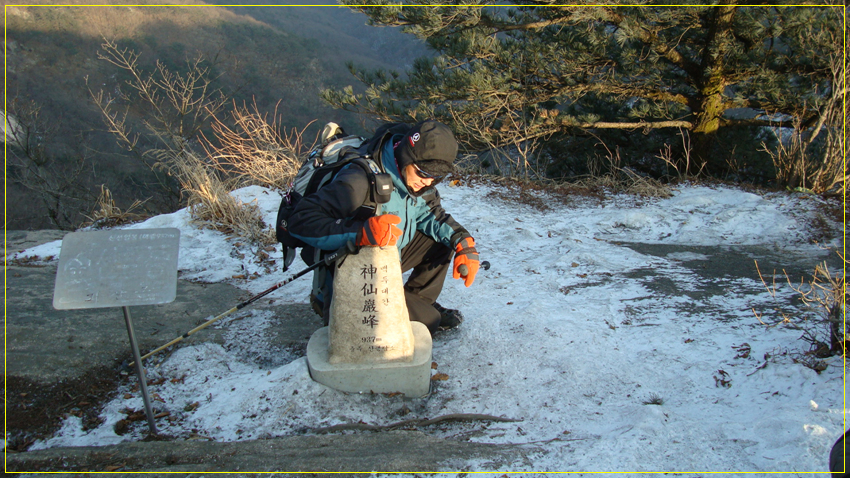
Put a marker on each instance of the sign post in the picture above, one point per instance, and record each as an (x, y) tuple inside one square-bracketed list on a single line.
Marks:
[(119, 268)]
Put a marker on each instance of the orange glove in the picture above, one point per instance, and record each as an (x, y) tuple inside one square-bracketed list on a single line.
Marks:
[(380, 231), (466, 255)]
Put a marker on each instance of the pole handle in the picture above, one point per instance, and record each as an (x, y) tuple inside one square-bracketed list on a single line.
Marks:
[(348, 248), (464, 271)]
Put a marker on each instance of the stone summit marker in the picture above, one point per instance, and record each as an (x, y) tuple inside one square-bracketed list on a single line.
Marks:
[(369, 321), (371, 345)]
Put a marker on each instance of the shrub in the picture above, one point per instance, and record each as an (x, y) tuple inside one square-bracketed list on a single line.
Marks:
[(255, 151), (823, 297), (212, 206), (107, 214)]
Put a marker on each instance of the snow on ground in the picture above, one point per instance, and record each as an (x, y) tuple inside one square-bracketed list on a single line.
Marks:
[(562, 334)]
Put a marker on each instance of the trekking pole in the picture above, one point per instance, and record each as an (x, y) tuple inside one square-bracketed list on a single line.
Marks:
[(326, 261)]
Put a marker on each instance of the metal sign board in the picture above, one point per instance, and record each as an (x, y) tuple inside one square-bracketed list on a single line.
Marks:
[(117, 268)]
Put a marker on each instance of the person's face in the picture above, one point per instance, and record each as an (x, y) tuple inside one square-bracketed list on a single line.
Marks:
[(414, 179)]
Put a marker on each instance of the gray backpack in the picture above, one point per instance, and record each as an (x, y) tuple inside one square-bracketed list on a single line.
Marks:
[(336, 151)]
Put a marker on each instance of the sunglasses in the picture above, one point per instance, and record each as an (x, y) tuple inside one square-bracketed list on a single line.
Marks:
[(424, 175)]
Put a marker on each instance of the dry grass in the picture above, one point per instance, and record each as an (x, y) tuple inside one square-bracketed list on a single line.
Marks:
[(684, 165), (798, 169), (626, 181), (824, 296), (254, 151), (178, 106), (212, 206), (620, 179), (106, 214), (541, 195), (798, 164)]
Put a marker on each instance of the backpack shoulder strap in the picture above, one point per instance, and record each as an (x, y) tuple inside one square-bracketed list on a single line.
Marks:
[(372, 205), (368, 164), (380, 184)]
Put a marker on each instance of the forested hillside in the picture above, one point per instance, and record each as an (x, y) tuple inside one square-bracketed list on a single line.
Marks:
[(699, 89), (278, 58)]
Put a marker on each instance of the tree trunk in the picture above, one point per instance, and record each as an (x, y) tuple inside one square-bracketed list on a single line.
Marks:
[(709, 105), (705, 129)]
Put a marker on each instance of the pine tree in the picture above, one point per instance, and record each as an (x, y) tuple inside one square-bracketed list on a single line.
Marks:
[(507, 73)]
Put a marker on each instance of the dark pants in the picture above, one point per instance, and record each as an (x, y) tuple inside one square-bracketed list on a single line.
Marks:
[(837, 462), (430, 261)]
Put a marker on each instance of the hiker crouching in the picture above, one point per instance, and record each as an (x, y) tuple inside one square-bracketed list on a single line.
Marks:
[(416, 158)]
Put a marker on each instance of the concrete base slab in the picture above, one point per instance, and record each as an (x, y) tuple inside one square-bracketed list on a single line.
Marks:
[(413, 378)]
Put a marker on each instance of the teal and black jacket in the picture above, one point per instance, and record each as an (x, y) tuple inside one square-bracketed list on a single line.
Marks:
[(326, 219)]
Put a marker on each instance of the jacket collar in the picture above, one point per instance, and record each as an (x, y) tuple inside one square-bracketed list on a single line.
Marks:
[(386, 131)]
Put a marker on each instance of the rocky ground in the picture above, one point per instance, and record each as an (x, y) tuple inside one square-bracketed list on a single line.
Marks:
[(61, 362), (71, 362)]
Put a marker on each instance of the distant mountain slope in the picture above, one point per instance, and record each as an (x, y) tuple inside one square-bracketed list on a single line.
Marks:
[(343, 32), (279, 52), (268, 55)]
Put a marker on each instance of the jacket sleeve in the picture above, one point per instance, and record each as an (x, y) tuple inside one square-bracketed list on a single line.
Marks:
[(324, 219), (435, 222)]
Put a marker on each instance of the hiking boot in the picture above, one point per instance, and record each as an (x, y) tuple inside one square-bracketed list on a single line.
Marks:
[(449, 318), (317, 305)]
